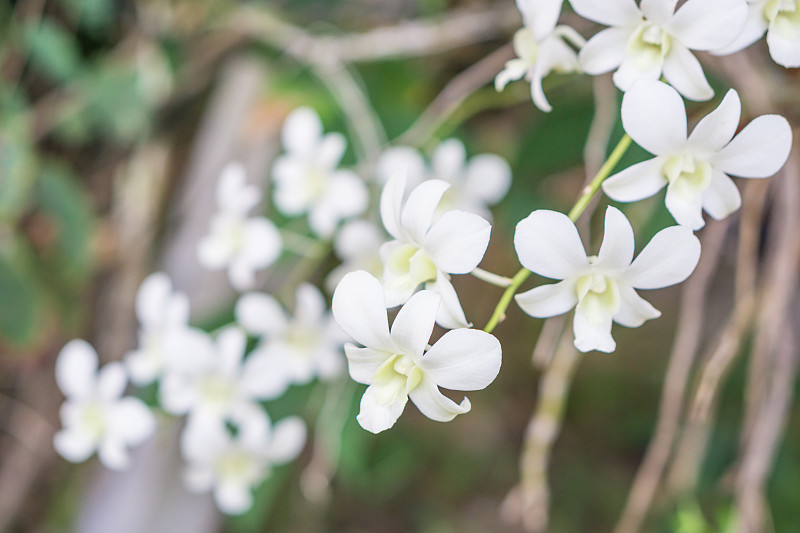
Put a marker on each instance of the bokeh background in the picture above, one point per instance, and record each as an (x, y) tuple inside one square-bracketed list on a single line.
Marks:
[(116, 117)]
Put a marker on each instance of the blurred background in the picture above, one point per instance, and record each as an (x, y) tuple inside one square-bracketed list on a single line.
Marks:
[(116, 117)]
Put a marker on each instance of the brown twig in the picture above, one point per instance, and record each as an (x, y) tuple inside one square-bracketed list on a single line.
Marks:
[(528, 503), (687, 341), (454, 94)]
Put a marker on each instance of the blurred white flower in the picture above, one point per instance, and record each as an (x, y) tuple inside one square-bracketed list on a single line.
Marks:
[(357, 245), (236, 242), (780, 20), (395, 363), (695, 169), (232, 466), (307, 179), (95, 416), (296, 349), (218, 381), (425, 251), (653, 40), (163, 314), (401, 159), (541, 48), (475, 184), (601, 288)]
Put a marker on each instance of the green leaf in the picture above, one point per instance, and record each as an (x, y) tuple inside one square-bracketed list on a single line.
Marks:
[(64, 204), (53, 51), (18, 167), (20, 301), (93, 14), (114, 102)]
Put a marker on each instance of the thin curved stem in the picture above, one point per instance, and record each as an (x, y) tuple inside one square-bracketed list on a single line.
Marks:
[(491, 278)]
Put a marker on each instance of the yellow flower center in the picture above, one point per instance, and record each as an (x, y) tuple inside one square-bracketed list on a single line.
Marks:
[(688, 176), (649, 44), (598, 295), (395, 378)]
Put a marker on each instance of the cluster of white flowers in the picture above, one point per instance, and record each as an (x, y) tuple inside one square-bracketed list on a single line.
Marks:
[(436, 219), (648, 41), (204, 377)]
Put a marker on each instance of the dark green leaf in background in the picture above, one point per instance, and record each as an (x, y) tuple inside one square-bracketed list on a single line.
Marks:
[(20, 299), (53, 51), (18, 167)]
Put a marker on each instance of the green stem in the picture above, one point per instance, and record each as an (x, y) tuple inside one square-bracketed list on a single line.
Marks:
[(577, 210), (590, 190)]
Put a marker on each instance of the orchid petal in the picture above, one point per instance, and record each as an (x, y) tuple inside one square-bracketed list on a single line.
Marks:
[(654, 116), (669, 258), (463, 359), (391, 204), (722, 196), (636, 182), (420, 207), (260, 314), (413, 325), (605, 51), (634, 310), (359, 308), (457, 241), (375, 414), (759, 150), (549, 300), (288, 440), (434, 404), (547, 243), (608, 12), (301, 130), (593, 333), (76, 369), (684, 72), (708, 24), (363, 362), (616, 252), (717, 128)]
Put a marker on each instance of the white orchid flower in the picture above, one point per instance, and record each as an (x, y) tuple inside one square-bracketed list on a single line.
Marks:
[(357, 245), (307, 179), (236, 242), (218, 382), (602, 287), (232, 466), (95, 416), (695, 169), (425, 251), (395, 363), (652, 40), (780, 20), (541, 48), (163, 314), (296, 349)]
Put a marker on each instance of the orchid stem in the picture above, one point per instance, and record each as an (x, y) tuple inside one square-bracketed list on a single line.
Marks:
[(491, 278), (577, 210)]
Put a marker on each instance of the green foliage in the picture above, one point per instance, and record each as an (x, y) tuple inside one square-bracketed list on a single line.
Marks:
[(53, 51), (95, 15), (63, 202), (18, 168), (21, 302), (112, 101), (689, 518)]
